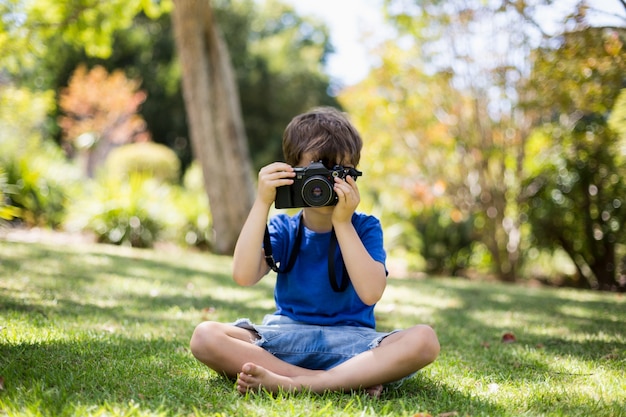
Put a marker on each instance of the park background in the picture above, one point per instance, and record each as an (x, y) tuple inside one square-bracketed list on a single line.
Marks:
[(495, 153), (494, 133)]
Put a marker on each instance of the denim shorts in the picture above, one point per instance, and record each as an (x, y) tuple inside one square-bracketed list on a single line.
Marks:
[(311, 346)]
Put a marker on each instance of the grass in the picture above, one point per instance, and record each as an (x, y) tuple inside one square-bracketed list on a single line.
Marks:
[(104, 331)]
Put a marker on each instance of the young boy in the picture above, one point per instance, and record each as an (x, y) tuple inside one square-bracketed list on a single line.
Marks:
[(322, 336)]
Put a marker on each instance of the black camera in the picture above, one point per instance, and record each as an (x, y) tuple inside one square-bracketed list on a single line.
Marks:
[(313, 186)]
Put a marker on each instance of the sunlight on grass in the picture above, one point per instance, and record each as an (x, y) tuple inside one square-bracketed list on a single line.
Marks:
[(398, 304), (102, 330)]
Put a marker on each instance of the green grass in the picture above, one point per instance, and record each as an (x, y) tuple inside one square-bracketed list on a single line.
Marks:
[(102, 330)]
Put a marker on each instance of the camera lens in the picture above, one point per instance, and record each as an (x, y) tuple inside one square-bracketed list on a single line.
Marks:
[(317, 192)]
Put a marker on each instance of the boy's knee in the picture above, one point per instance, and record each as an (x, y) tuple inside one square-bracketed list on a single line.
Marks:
[(202, 338), (428, 343)]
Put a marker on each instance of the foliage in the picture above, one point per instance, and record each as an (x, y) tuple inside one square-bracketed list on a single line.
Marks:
[(447, 240), (147, 158), (576, 170), (426, 147), (80, 307), (43, 41), (100, 112), (575, 197), (452, 97), (40, 193), (8, 211), (448, 96), (278, 56), (102, 105), (22, 119), (148, 47), (147, 52), (272, 90), (617, 122), (588, 78), (139, 210), (27, 27), (132, 212), (192, 205), (38, 182)]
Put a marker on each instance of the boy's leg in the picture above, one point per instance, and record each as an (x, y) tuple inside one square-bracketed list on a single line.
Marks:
[(398, 355), (226, 348)]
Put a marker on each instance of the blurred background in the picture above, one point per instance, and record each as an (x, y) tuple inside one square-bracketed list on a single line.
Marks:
[(495, 131)]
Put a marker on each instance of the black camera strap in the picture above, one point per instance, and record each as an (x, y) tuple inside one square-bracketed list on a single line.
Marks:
[(269, 258), (345, 278)]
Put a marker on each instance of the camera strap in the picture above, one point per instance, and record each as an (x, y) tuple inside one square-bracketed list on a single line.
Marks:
[(269, 258), (345, 278)]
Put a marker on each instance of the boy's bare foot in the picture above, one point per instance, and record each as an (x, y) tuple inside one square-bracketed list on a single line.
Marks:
[(255, 378)]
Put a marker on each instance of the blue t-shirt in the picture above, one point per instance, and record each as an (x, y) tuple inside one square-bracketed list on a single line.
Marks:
[(305, 294)]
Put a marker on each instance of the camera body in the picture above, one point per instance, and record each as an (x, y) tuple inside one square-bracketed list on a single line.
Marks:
[(313, 186)]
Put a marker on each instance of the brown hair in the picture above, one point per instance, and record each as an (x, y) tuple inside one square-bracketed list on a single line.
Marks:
[(324, 132)]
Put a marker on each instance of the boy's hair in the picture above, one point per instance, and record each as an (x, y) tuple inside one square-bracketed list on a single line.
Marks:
[(324, 132)]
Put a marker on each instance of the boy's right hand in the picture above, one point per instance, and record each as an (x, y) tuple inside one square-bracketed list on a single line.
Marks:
[(271, 177)]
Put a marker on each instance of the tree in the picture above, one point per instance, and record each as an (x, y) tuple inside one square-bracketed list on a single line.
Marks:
[(274, 89), (100, 113), (453, 93), (450, 98), (214, 116), (576, 171), (279, 63)]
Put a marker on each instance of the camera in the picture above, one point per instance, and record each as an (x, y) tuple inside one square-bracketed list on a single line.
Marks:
[(313, 186)]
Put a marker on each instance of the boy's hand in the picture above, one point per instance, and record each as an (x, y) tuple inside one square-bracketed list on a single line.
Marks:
[(272, 176), (348, 199)]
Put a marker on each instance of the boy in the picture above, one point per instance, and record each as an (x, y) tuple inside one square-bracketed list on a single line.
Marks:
[(322, 336)]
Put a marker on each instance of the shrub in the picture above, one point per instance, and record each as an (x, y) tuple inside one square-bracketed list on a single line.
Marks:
[(8, 212), (446, 240), (144, 158), (37, 181), (141, 210), (192, 204), (41, 189), (133, 212)]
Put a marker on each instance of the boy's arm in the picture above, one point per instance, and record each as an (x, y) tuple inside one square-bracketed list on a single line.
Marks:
[(368, 276), (248, 259)]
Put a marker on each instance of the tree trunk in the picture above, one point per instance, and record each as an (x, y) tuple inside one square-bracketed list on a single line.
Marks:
[(604, 267), (214, 116)]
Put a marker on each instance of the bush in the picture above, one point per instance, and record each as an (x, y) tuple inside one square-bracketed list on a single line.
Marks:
[(192, 204), (8, 212), (446, 241), (40, 189), (37, 181), (141, 210), (133, 212), (147, 159)]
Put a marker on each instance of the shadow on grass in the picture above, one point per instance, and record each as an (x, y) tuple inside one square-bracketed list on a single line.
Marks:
[(60, 377), (550, 326), (119, 287), (422, 394), (572, 322), (67, 378)]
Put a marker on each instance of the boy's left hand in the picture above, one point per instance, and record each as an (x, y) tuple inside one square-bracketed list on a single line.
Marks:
[(348, 199)]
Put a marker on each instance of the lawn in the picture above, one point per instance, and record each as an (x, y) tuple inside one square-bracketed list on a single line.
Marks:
[(103, 330)]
